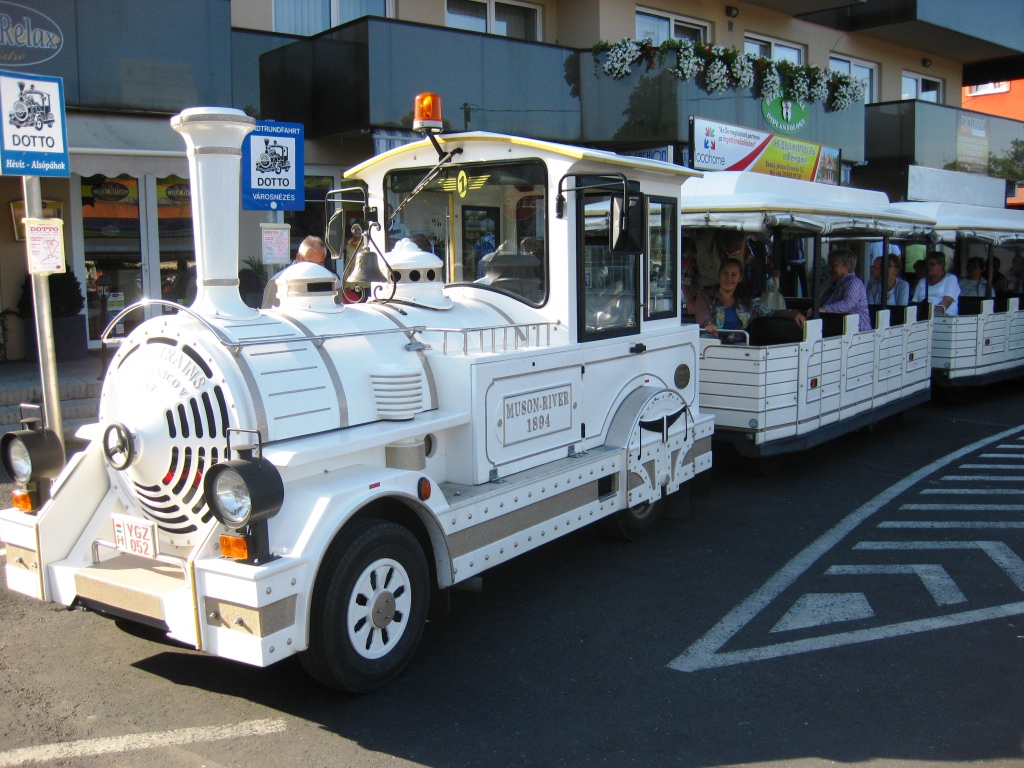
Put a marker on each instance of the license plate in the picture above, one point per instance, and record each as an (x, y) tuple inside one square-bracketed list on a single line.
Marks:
[(134, 536)]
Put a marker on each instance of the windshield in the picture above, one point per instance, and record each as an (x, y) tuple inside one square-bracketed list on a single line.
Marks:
[(487, 221)]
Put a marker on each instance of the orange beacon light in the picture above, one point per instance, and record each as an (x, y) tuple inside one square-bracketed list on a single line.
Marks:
[(427, 113)]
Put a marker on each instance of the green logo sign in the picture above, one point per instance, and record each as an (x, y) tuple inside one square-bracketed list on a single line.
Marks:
[(785, 115)]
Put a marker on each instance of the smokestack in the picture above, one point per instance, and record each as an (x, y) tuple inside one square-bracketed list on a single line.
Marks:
[(214, 138)]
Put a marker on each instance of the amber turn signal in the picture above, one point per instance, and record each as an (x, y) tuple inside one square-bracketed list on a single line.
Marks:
[(21, 499), (235, 547), (423, 488), (427, 113)]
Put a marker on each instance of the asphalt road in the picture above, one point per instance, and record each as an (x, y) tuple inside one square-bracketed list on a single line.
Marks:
[(842, 606)]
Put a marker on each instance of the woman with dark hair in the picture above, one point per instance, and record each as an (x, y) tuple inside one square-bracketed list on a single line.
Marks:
[(974, 284), (729, 305)]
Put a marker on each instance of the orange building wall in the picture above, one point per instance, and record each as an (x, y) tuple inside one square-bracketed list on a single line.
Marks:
[(1009, 104)]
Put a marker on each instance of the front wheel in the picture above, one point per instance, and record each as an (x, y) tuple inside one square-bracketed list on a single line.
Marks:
[(369, 608)]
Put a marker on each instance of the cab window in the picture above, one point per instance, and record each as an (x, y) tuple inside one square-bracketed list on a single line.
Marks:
[(609, 264), (487, 221), (660, 264)]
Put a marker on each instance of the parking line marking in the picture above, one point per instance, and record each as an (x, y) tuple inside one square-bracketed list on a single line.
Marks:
[(988, 466), (984, 478), (935, 578), (942, 524), (965, 507), (998, 551), (67, 750), (974, 491), (705, 652)]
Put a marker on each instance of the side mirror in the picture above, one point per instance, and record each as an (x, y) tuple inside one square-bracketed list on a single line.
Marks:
[(626, 225)]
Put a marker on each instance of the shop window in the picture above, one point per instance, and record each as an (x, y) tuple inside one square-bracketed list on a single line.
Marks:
[(520, 21), (661, 27), (309, 17), (922, 88), (777, 50), (862, 70)]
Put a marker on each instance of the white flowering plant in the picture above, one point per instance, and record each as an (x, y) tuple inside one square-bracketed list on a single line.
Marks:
[(717, 69)]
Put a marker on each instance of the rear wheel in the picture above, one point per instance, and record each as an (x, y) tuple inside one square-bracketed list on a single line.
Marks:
[(635, 522), (369, 608)]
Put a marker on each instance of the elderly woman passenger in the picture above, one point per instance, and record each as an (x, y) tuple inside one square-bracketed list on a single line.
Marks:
[(974, 284), (845, 292), (938, 288), (897, 289)]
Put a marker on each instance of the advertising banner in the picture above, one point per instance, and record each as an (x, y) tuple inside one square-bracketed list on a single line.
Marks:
[(272, 168), (972, 143), (724, 147)]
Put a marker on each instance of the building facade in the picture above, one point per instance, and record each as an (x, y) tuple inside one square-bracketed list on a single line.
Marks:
[(347, 70)]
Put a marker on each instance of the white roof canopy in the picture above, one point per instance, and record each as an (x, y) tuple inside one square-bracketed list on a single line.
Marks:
[(999, 226), (758, 203)]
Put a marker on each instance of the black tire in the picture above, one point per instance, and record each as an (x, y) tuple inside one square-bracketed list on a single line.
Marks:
[(633, 523), (352, 652)]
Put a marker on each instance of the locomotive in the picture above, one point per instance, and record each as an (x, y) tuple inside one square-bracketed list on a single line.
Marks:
[(308, 479)]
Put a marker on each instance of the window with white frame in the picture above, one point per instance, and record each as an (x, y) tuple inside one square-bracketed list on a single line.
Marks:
[(986, 89), (864, 71), (660, 27), (922, 88), (777, 50), (308, 17), (508, 19)]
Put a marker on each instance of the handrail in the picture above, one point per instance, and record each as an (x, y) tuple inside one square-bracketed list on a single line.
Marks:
[(522, 334)]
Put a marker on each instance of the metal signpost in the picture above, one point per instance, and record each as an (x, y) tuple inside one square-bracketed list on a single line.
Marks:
[(35, 144)]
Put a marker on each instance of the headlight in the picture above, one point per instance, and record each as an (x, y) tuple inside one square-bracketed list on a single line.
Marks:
[(18, 462), (244, 490), (231, 497), (32, 454)]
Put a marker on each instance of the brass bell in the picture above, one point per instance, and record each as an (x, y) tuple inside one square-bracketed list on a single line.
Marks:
[(365, 268)]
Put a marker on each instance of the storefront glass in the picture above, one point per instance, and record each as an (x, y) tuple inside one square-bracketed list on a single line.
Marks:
[(113, 250), (177, 246)]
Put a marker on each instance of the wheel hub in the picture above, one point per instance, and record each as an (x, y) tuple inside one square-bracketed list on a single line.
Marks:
[(383, 609)]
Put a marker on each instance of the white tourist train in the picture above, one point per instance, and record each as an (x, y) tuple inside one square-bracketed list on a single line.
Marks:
[(984, 342), (305, 479), (788, 390)]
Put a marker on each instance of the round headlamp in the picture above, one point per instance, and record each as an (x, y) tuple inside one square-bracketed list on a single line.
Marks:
[(32, 454), (244, 490)]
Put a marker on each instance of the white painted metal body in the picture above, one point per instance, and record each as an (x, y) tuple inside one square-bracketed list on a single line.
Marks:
[(356, 407), (788, 396)]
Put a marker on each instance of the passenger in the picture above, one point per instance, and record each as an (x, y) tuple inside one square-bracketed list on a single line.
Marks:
[(974, 284), (999, 282), (845, 292), (920, 272), (729, 306), (1017, 274), (898, 290), (938, 288)]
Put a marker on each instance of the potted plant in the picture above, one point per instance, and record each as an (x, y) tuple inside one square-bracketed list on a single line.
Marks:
[(66, 302)]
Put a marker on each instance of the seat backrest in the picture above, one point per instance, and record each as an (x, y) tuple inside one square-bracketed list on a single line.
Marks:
[(897, 314), (970, 305), (774, 330), (832, 323)]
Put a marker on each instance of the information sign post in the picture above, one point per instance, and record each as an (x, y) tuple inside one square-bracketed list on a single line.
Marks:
[(35, 144)]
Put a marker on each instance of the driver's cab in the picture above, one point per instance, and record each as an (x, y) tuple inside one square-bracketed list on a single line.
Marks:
[(585, 238)]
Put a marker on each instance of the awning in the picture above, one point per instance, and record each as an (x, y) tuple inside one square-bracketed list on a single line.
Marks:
[(132, 144), (386, 139)]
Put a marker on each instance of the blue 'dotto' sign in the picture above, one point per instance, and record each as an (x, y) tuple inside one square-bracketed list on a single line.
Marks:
[(272, 168), (35, 136)]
